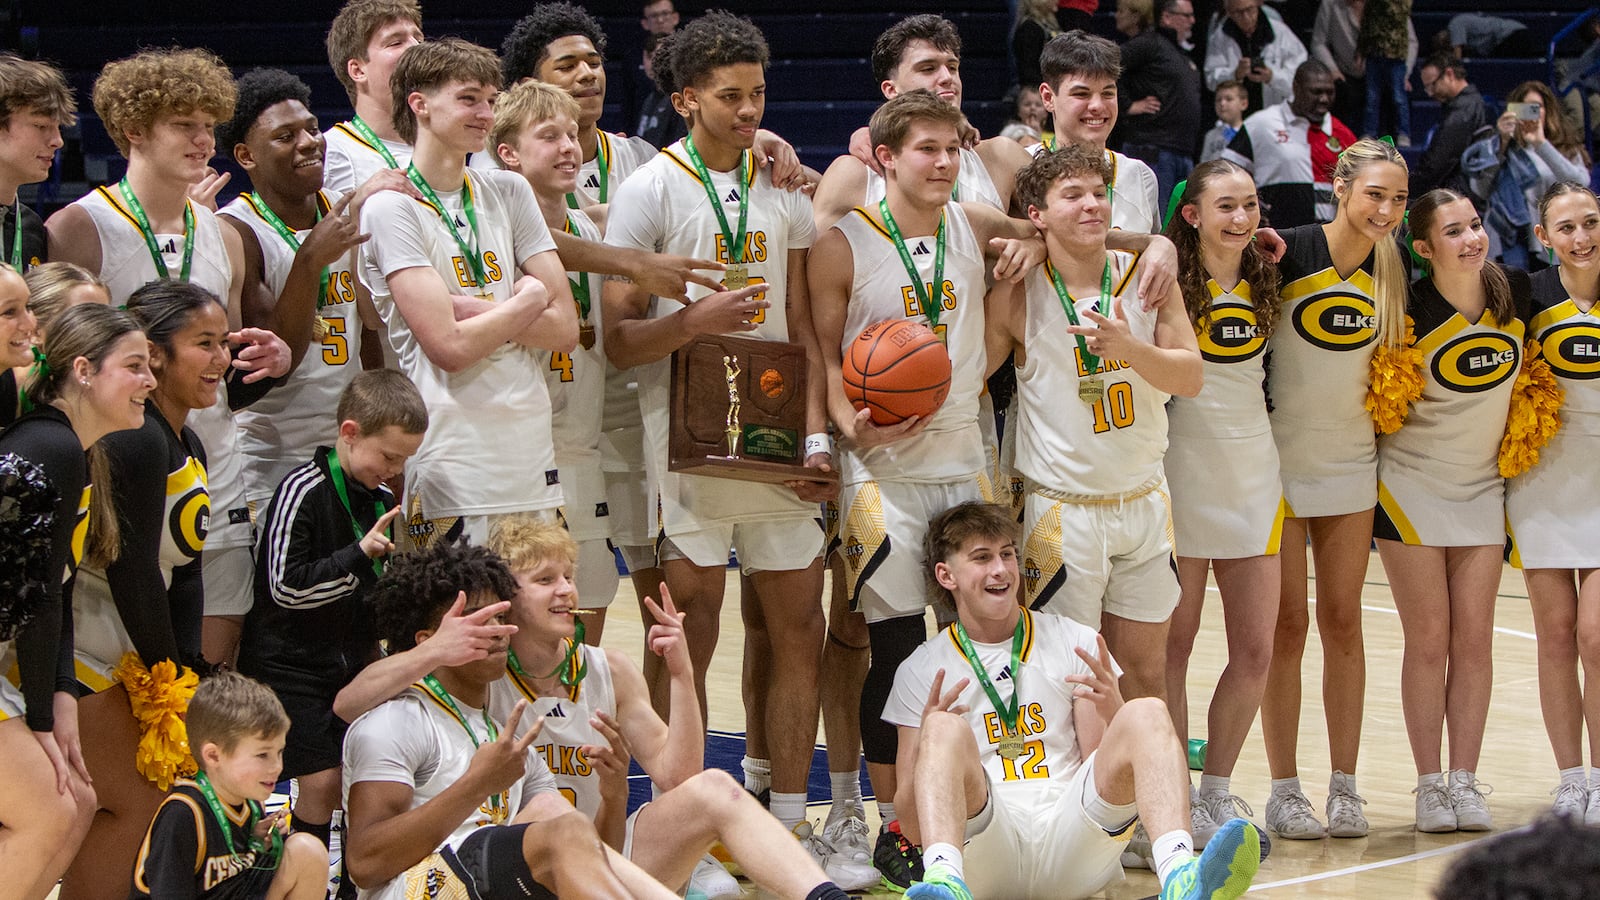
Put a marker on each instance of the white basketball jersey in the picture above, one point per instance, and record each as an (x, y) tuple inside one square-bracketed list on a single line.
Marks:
[(1050, 748), (566, 727), (1232, 400), (1107, 447), (350, 160), (577, 385), (663, 208), (126, 266), (488, 449), (623, 156), (973, 184), (1135, 193), (951, 447), (281, 430)]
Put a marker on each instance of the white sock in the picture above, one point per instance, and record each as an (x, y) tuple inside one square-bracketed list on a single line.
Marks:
[(790, 809), (1214, 785), (846, 788), (886, 811), (1170, 850), (757, 774), (1282, 786), (1578, 775), (1340, 783), (1432, 778), (945, 855)]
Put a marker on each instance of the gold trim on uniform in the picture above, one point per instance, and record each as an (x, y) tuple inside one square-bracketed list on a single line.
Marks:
[(862, 535)]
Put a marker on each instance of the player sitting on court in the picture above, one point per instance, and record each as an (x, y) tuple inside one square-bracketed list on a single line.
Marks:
[(596, 709), (1040, 767), (209, 839), (441, 798)]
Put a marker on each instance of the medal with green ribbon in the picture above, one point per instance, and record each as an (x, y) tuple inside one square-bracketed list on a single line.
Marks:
[(284, 231), (737, 275), (1010, 719), (266, 848), (450, 224), (928, 295), (569, 672), (602, 160), (136, 210), (431, 686), (580, 295), (373, 142), (336, 474), (16, 240), (1091, 389)]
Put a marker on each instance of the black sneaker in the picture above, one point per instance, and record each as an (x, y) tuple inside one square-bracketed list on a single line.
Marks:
[(897, 859)]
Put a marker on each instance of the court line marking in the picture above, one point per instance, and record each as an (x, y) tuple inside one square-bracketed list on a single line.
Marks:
[(1394, 612), (1364, 867)]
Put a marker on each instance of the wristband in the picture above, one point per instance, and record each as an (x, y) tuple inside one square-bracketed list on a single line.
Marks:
[(819, 443)]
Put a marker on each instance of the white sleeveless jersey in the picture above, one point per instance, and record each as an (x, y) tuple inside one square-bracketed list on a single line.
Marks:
[(1569, 341), (566, 726), (951, 447), (973, 184), (126, 266), (281, 430), (1064, 444), (1232, 401), (488, 449), (623, 156), (577, 385), (1135, 193), (1050, 749), (663, 208), (349, 160)]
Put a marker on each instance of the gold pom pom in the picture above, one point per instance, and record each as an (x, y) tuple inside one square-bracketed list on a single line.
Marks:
[(1535, 414), (159, 696), (1396, 383)]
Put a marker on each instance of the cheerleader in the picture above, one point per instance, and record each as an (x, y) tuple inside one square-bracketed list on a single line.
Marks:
[(1550, 507), (1440, 520), (1227, 502), (17, 327)]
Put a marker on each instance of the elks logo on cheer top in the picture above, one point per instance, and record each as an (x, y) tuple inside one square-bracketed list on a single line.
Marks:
[(1477, 362), (1572, 349), (1233, 335), (1338, 320)]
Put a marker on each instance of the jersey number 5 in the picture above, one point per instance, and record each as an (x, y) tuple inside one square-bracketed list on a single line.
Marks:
[(335, 345)]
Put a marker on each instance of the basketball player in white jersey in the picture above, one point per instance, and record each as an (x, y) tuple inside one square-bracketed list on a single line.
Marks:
[(298, 282), (1099, 524), (1016, 742), (365, 42), (897, 477), (489, 451), (145, 228)]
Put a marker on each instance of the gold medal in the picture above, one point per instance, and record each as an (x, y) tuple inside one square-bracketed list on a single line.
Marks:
[(736, 277), (586, 336), (1091, 390), (487, 295), (319, 329), (1011, 746)]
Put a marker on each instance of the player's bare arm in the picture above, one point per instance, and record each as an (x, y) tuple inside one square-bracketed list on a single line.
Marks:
[(73, 238), (633, 338), (424, 300), (1096, 699), (656, 273), (669, 754), (843, 188), (1171, 363), (1003, 158), (556, 327)]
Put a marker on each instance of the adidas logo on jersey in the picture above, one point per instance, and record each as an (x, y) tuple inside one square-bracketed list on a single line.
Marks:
[(171, 246), (459, 223), (593, 181), (1005, 674), (733, 196), (922, 249), (556, 712)]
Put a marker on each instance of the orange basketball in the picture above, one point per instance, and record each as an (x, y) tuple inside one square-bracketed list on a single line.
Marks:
[(898, 369)]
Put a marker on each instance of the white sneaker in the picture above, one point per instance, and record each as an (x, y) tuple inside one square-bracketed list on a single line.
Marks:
[(711, 880), (1467, 795), (1137, 855), (846, 829), (1202, 825), (1345, 818), (1289, 816), (1225, 807), (1572, 800), (1435, 813), (1591, 816), (840, 868)]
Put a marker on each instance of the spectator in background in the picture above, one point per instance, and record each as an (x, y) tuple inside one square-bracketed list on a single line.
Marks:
[(1075, 14), (1291, 149), (1036, 24), (1158, 93), (658, 17), (1229, 104), (642, 103), (1462, 112), (1530, 149), (1026, 108), (1475, 34), (1333, 43), (1388, 44), (1585, 71), (658, 122), (1254, 46)]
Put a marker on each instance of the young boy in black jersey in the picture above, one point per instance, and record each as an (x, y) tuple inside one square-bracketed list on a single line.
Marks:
[(209, 839)]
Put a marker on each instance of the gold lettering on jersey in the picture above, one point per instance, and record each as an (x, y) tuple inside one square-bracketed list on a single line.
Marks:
[(565, 760), (491, 270), (1030, 721), (342, 288), (947, 297), (491, 266), (221, 868), (1105, 365), (755, 248)]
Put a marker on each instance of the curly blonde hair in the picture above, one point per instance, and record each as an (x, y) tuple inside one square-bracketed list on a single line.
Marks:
[(132, 93)]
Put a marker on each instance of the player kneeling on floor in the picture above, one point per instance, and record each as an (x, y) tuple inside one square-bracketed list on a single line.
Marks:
[(1053, 766)]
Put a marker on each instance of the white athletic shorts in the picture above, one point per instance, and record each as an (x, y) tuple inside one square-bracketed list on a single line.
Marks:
[(1085, 555), (597, 574), (884, 526), (229, 576), (1036, 840), (780, 545)]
